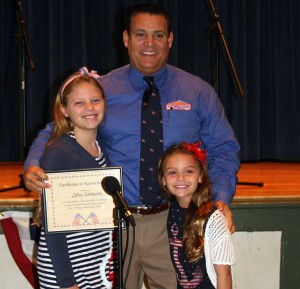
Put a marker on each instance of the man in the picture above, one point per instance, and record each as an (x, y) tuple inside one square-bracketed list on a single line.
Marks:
[(190, 111)]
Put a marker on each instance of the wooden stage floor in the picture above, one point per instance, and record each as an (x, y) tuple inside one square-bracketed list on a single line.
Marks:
[(281, 183)]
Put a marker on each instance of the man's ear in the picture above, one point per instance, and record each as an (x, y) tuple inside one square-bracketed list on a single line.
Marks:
[(125, 38), (170, 39)]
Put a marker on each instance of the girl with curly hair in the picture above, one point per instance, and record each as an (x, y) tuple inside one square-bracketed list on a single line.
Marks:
[(200, 241)]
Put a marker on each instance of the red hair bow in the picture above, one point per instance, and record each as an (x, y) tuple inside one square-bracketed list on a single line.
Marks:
[(195, 148)]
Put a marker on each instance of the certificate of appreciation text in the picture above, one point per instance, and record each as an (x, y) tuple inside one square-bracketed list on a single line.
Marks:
[(76, 200)]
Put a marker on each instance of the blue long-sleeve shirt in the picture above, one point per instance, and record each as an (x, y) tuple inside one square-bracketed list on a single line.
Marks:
[(191, 111)]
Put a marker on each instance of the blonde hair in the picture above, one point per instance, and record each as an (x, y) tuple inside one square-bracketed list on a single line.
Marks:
[(199, 208), (62, 124)]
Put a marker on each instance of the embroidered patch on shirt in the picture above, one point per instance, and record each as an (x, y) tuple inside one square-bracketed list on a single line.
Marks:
[(178, 105)]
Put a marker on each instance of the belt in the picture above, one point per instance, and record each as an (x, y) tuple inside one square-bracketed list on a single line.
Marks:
[(143, 211)]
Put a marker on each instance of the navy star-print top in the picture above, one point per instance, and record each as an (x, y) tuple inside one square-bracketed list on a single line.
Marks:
[(189, 275)]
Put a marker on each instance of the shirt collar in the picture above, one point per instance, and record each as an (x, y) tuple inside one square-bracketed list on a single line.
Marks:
[(137, 78)]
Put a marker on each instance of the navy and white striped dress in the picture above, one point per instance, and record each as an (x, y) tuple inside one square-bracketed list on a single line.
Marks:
[(92, 256)]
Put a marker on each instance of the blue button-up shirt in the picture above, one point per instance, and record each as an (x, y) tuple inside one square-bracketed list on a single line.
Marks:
[(191, 112)]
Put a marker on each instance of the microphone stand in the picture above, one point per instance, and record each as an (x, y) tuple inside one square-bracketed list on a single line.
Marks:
[(11, 188), (121, 217), (120, 251), (20, 186), (23, 44), (219, 32)]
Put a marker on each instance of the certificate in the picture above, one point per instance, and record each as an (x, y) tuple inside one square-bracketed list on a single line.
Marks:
[(77, 201)]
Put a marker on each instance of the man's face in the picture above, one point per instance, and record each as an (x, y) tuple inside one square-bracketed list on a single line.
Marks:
[(148, 42)]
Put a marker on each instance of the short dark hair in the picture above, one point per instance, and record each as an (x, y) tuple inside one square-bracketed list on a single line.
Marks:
[(151, 9)]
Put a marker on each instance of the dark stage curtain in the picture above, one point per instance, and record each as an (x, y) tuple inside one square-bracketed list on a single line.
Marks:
[(263, 37)]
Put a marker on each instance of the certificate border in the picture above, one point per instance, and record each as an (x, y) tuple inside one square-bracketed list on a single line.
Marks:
[(47, 192)]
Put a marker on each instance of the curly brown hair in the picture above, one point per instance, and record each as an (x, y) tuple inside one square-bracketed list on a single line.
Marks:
[(199, 208)]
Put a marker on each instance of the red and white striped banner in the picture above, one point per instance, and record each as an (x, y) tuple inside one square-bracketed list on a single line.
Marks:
[(16, 228)]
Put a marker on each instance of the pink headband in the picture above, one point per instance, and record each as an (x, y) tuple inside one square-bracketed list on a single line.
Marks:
[(194, 148), (83, 71)]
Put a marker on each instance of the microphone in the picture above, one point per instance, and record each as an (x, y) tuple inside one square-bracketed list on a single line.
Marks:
[(112, 187)]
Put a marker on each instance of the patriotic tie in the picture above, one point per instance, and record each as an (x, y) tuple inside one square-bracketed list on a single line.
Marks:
[(151, 144)]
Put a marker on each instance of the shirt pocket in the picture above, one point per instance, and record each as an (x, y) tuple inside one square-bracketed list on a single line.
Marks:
[(181, 125)]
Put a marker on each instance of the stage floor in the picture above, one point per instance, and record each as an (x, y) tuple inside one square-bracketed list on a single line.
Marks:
[(281, 183)]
